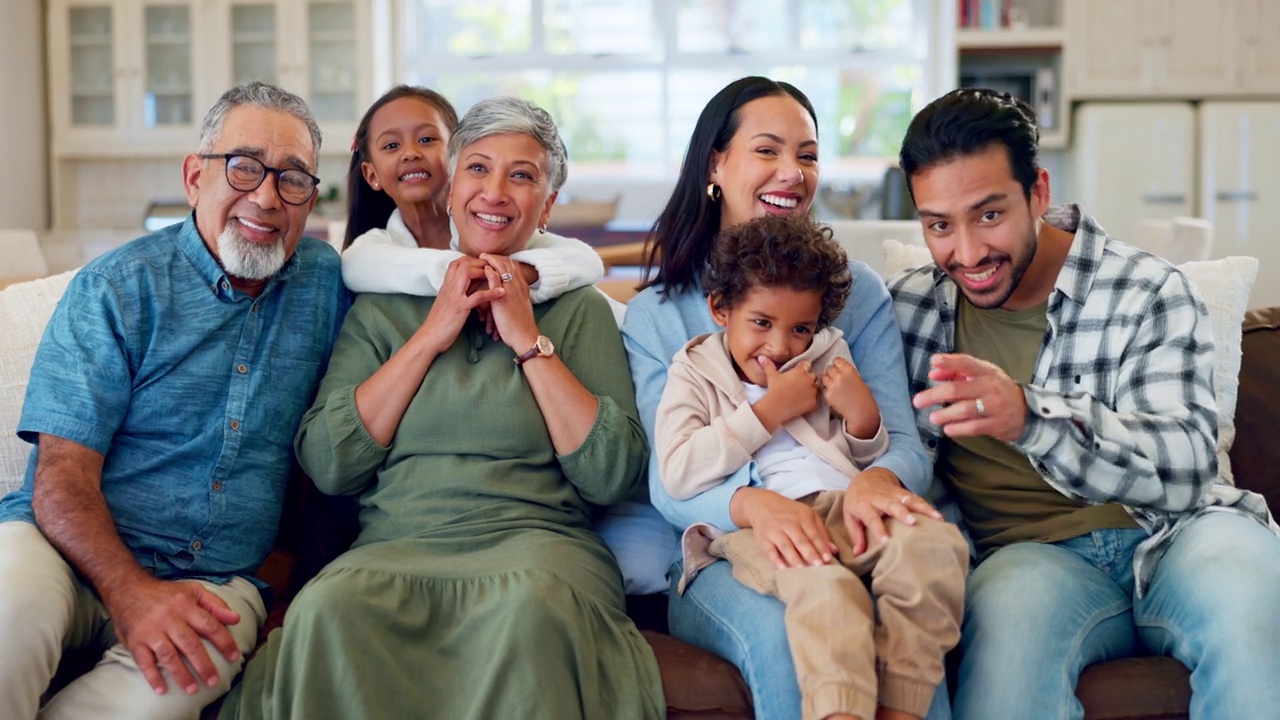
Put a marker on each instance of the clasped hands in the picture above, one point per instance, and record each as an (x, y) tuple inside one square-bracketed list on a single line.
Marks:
[(496, 288), (792, 534)]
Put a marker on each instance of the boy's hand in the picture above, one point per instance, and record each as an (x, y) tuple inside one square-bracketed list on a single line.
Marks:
[(789, 533), (790, 395), (847, 393)]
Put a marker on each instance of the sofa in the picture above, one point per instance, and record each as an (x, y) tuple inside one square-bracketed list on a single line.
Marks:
[(699, 685)]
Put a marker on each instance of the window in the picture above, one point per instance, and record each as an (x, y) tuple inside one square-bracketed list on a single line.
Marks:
[(626, 79)]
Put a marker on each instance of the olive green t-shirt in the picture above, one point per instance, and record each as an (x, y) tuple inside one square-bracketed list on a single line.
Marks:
[(1003, 498)]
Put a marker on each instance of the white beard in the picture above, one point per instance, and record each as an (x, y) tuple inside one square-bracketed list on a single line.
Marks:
[(248, 260)]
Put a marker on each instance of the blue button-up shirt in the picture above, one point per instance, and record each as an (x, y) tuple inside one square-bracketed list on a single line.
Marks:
[(190, 389)]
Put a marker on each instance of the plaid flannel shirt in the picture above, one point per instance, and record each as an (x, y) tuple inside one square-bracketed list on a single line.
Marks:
[(1121, 406)]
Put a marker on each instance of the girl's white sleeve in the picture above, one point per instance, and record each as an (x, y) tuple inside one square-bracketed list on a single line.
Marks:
[(377, 263), (563, 264)]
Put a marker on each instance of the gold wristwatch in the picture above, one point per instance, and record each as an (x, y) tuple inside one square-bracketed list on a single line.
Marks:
[(541, 348)]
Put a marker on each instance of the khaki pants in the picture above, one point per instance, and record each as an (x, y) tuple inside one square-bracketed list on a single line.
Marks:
[(917, 579), (45, 609)]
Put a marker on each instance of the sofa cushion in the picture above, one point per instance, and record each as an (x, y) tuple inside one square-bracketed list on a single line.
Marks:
[(24, 310), (1223, 284)]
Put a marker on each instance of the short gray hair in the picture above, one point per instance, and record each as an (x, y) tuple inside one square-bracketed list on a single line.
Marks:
[(262, 95), (499, 115)]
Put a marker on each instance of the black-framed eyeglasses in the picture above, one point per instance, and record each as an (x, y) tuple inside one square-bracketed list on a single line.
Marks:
[(245, 173)]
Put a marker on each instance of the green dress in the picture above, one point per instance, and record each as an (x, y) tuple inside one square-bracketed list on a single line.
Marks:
[(476, 589)]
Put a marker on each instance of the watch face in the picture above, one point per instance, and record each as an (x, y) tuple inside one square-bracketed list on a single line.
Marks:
[(544, 345)]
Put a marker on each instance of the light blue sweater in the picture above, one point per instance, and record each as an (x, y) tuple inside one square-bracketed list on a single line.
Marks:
[(654, 330)]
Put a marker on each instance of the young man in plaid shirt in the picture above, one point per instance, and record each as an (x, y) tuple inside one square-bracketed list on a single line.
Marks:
[(1063, 384)]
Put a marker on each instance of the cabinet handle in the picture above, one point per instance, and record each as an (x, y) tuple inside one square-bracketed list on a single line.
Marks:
[(1164, 198), (1236, 196)]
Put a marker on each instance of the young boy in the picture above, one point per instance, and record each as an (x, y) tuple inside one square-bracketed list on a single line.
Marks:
[(777, 388)]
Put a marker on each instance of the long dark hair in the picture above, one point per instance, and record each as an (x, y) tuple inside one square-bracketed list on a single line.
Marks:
[(681, 238), (368, 208)]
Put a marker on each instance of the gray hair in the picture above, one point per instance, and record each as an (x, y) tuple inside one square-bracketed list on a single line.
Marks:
[(261, 95), (499, 115)]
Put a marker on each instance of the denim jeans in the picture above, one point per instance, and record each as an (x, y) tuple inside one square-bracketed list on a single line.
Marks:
[(1037, 614), (722, 616)]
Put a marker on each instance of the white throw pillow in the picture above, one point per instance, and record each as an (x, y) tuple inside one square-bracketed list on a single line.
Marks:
[(1223, 284), (899, 257), (24, 310)]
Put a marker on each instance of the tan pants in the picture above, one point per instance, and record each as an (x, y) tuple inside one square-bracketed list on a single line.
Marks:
[(46, 609), (917, 578)]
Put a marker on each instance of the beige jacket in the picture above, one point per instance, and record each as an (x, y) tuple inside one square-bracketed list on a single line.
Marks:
[(707, 430)]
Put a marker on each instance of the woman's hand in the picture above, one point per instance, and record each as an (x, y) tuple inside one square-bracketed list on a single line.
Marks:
[(456, 300), (873, 495), (847, 394), (512, 313), (789, 533)]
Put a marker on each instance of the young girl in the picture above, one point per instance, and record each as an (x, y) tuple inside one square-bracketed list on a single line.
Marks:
[(398, 237), (777, 388)]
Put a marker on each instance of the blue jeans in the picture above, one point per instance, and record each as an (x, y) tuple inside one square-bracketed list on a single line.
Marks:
[(1037, 614), (724, 617)]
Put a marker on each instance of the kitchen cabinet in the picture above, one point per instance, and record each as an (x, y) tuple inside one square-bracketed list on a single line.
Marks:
[(1238, 189), (1165, 48), (133, 78), (320, 49), (124, 74)]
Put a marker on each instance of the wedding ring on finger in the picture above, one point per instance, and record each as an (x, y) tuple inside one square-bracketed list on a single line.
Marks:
[(905, 499), (980, 407), (505, 277)]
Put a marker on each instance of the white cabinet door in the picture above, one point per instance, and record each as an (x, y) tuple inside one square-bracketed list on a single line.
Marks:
[(166, 89), (320, 49), (87, 74), (1134, 162), (1239, 192), (122, 76), (1259, 23), (1112, 46), (336, 52), (1197, 42)]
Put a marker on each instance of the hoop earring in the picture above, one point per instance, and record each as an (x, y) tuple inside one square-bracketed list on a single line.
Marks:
[(542, 229), (713, 192), (448, 210)]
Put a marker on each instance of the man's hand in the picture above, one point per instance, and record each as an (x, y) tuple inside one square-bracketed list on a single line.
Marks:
[(791, 394), (977, 398), (789, 533), (162, 623), (847, 393), (874, 494)]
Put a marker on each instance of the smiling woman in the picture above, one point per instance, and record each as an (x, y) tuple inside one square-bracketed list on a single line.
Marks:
[(474, 552)]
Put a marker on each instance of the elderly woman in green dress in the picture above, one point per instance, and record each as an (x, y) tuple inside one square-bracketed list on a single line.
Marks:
[(475, 589)]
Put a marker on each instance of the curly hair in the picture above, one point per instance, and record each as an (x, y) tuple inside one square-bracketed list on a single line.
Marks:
[(791, 251)]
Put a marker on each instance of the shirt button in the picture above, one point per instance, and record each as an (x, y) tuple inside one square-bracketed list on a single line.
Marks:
[(254, 308), (217, 485), (235, 424), (224, 285), (242, 368), (196, 545)]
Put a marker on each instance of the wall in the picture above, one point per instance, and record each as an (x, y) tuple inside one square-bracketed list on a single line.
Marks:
[(24, 172)]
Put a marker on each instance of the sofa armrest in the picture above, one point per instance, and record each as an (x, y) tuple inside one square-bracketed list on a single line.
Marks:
[(1255, 453)]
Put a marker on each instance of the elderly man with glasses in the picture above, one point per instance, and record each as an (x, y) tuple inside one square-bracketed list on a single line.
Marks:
[(162, 406)]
